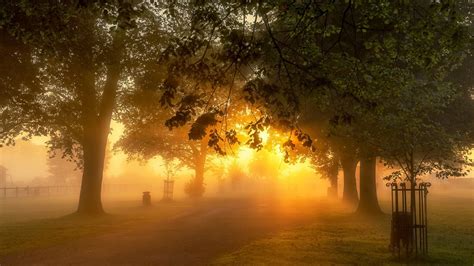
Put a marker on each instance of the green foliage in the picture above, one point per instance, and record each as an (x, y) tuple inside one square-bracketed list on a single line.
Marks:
[(357, 65), (370, 77), (76, 44)]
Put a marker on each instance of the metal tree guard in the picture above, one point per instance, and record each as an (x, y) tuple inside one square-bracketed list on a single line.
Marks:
[(409, 218), (168, 190)]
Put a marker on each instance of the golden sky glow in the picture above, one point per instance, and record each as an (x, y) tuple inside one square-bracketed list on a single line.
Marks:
[(298, 178)]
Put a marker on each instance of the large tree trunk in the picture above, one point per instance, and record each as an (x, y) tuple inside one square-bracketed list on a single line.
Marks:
[(199, 177), (349, 165), (90, 201), (368, 204), (96, 120), (195, 188), (332, 175)]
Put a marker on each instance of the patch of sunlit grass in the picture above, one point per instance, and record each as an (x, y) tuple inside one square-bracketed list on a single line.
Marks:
[(338, 238)]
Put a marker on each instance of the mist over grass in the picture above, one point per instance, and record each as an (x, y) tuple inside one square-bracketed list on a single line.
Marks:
[(326, 232)]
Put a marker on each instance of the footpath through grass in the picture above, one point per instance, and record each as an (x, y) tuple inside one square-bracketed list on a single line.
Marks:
[(337, 237)]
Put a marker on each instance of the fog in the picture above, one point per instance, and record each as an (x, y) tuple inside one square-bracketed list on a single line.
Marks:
[(243, 173)]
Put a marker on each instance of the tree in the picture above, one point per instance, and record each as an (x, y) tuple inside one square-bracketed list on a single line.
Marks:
[(349, 165), (376, 61), (62, 171), (171, 168), (79, 61), (151, 131), (328, 166), (359, 62), (146, 136), (436, 137), (18, 84), (326, 163), (405, 119), (347, 56), (368, 203)]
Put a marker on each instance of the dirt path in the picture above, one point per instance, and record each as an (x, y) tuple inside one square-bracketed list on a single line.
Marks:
[(194, 238)]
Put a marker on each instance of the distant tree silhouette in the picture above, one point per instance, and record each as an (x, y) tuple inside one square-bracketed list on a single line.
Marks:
[(62, 172)]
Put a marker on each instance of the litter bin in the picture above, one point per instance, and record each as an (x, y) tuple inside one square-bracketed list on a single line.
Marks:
[(146, 198)]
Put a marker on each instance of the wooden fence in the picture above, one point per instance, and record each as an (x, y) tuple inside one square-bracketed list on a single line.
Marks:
[(31, 191)]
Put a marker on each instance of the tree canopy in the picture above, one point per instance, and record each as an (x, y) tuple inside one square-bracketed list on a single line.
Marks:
[(344, 78)]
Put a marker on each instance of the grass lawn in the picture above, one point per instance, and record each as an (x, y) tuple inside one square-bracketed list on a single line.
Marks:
[(18, 234), (337, 237), (332, 235)]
